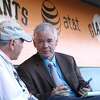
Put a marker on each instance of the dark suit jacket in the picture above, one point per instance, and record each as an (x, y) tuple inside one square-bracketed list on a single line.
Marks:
[(35, 75)]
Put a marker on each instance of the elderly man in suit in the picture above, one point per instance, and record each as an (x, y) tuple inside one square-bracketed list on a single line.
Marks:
[(51, 74)]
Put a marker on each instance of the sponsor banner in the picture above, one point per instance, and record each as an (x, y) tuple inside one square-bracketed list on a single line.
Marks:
[(77, 22)]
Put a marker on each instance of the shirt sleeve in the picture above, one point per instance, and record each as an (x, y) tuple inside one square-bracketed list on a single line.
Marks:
[(8, 88)]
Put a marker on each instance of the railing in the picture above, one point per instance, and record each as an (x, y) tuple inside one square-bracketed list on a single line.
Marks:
[(94, 73)]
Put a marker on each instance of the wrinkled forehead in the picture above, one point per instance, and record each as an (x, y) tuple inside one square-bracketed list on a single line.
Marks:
[(44, 36)]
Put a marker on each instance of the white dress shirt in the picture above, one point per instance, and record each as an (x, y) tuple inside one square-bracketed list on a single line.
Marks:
[(10, 89)]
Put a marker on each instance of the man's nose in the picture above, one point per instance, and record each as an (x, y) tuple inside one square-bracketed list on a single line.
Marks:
[(45, 44)]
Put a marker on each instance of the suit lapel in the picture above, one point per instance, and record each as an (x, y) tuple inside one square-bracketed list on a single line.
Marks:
[(43, 72), (64, 68)]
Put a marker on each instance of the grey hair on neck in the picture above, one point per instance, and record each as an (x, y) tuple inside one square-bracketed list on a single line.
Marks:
[(46, 28), (3, 43)]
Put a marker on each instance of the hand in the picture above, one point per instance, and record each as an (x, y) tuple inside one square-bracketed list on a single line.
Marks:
[(60, 90), (83, 91)]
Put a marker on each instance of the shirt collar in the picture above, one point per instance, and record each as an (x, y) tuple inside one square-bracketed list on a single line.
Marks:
[(5, 57), (52, 60)]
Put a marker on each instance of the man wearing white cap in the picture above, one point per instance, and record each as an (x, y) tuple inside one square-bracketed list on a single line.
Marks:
[(12, 37)]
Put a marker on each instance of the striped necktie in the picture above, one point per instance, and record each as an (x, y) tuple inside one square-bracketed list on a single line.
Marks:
[(57, 80), (54, 74)]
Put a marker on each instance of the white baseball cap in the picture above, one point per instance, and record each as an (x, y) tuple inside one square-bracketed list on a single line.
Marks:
[(10, 29)]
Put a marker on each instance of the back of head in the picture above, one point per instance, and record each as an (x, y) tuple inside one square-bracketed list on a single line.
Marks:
[(10, 29), (46, 28)]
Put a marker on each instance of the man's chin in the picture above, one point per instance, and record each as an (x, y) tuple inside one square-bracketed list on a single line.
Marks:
[(45, 55)]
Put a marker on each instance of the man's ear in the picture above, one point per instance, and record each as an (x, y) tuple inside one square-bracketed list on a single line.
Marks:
[(34, 43), (12, 44), (57, 42)]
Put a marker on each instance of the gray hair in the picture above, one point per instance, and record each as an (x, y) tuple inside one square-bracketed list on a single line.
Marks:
[(3, 43), (46, 28)]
